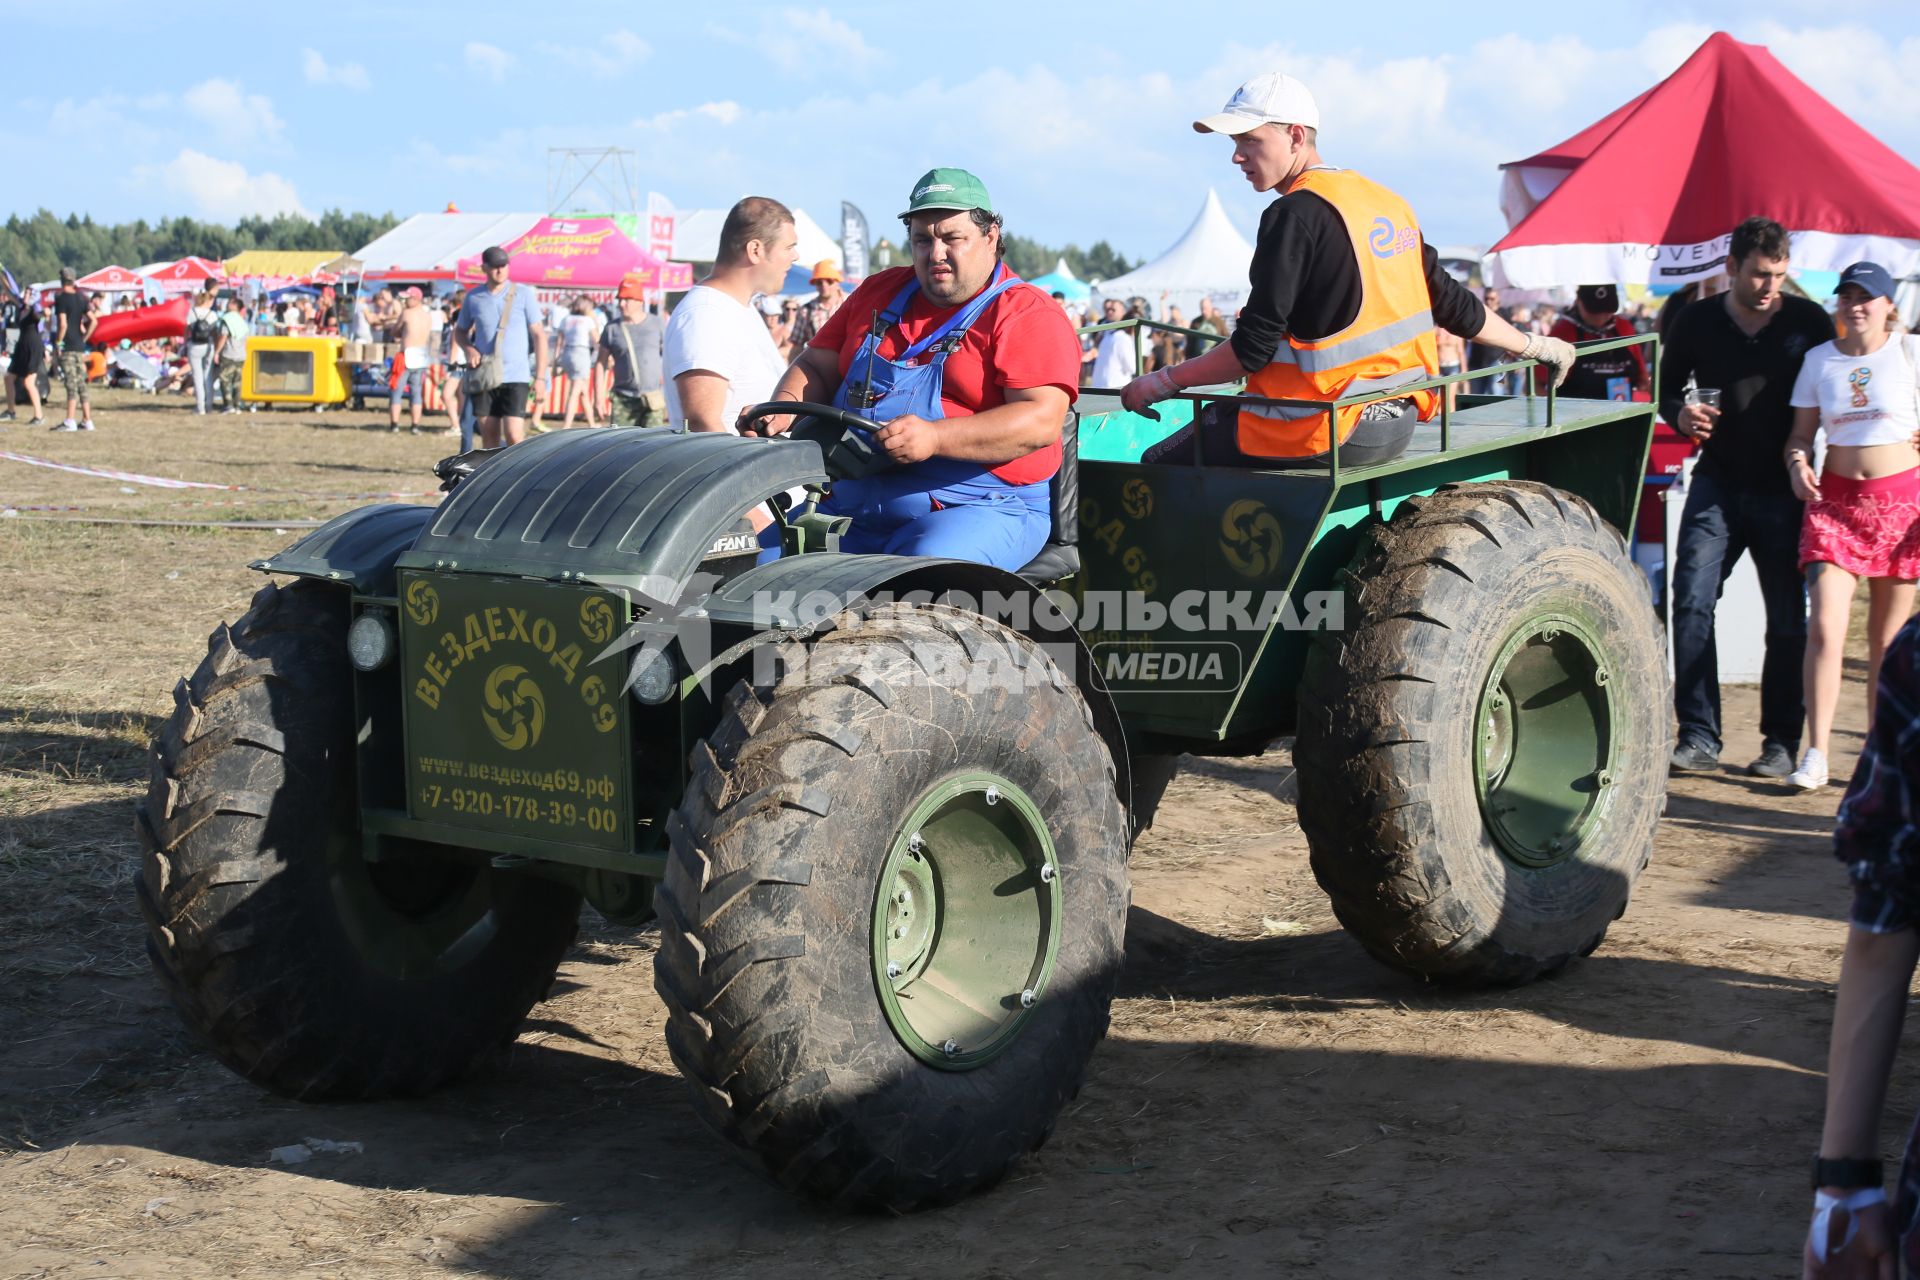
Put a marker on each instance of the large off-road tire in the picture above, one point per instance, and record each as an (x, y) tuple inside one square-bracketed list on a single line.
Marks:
[(1483, 747), (309, 969), (861, 1047)]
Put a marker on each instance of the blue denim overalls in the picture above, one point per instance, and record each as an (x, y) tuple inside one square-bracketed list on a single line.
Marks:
[(940, 506)]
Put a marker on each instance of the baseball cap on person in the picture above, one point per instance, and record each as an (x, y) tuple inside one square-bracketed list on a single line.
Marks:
[(493, 256), (948, 189), (1871, 276), (633, 285), (824, 270), (1602, 299), (1273, 98), (413, 291)]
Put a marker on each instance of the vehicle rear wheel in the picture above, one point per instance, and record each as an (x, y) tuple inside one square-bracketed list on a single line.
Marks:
[(1482, 750), (309, 969), (892, 917)]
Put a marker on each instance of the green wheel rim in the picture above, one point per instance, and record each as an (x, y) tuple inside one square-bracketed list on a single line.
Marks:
[(966, 921), (1544, 741)]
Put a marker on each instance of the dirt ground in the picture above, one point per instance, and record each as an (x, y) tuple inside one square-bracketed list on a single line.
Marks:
[(1269, 1099)]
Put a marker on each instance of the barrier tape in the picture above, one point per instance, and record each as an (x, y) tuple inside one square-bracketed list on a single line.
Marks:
[(164, 482)]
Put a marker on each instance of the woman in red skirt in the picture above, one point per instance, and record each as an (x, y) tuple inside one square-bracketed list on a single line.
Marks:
[(1863, 509)]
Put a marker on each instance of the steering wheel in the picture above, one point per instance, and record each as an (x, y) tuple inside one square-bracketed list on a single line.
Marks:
[(844, 436)]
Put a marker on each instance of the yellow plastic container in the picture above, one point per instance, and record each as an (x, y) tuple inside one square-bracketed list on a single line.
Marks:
[(295, 371)]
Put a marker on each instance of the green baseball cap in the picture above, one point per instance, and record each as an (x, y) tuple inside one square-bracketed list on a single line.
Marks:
[(948, 189)]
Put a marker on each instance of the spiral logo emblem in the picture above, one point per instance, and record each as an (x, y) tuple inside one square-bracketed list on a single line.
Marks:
[(423, 602), (516, 710), (1250, 538), (596, 619)]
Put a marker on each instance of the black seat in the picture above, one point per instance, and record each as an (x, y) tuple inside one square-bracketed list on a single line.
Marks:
[(1060, 558)]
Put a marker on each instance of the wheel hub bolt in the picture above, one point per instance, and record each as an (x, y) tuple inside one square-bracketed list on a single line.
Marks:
[(904, 897), (1047, 873), (993, 795), (915, 844), (1027, 998), (950, 1048), (900, 931), (893, 968)]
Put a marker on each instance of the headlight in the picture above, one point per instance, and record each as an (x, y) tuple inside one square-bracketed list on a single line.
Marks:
[(652, 681), (370, 640)]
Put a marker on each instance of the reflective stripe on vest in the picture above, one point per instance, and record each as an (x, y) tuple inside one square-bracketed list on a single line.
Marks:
[(1390, 342)]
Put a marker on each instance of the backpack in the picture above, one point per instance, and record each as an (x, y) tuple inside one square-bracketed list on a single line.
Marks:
[(200, 331)]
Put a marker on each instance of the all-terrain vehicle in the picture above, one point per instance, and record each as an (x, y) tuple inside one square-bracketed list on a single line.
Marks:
[(882, 806)]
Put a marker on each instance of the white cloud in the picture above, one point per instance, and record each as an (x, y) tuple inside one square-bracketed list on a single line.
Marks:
[(347, 75), (236, 117), (488, 61), (814, 40), (612, 55), (222, 190), (724, 112)]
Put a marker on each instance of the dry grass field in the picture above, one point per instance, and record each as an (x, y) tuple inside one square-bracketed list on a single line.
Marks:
[(1269, 1100)]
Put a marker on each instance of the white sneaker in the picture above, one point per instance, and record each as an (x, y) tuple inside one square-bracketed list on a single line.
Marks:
[(86, 424), (1812, 773), (68, 425)]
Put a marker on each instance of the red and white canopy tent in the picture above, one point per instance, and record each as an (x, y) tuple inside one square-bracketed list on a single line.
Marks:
[(1650, 194), (189, 275), (113, 280)]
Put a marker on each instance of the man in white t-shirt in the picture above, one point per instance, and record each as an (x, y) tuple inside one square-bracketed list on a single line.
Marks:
[(719, 356), (1113, 365)]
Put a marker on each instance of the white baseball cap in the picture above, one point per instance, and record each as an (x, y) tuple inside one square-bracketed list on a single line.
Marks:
[(1273, 98)]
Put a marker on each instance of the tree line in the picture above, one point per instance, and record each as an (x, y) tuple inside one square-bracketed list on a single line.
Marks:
[(36, 248)]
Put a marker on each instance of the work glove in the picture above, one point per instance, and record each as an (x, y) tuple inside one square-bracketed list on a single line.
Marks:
[(1148, 389), (1553, 351)]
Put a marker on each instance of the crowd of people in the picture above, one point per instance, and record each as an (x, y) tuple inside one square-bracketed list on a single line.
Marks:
[(46, 342)]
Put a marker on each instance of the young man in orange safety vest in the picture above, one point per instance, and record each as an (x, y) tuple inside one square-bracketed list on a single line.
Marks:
[(1345, 298)]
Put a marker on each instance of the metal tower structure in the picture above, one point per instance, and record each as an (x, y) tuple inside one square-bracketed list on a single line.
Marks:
[(600, 180)]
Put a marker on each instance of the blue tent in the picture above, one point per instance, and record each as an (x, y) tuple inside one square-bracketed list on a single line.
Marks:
[(1055, 282)]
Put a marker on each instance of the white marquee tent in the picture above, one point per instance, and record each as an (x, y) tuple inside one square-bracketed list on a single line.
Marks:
[(1210, 260), (696, 237), (428, 246)]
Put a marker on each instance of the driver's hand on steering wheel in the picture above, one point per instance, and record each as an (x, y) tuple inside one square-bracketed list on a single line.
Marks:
[(908, 438), (773, 425)]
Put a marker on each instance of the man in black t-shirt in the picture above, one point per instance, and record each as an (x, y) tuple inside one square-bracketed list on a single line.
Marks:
[(72, 326), (1748, 344)]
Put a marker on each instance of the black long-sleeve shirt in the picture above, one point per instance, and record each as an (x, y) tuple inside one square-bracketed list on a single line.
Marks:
[(1755, 376), (1306, 281)]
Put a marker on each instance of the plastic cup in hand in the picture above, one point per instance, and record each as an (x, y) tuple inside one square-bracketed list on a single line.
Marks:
[(1705, 397)]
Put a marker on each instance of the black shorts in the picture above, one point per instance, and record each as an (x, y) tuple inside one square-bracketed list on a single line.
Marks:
[(27, 360), (508, 400)]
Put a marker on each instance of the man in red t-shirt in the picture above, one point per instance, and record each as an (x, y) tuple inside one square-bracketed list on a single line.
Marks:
[(970, 372), (1609, 375)]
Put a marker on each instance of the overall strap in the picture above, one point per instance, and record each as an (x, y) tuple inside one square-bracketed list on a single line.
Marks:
[(962, 320)]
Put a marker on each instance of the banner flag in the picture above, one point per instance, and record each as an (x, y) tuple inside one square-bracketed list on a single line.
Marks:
[(853, 240)]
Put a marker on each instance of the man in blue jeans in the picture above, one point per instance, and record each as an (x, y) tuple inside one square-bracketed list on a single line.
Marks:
[(1748, 343)]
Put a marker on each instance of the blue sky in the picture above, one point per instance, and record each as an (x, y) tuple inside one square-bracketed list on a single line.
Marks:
[(1077, 116)]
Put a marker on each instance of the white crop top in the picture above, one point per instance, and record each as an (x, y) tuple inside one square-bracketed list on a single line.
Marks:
[(1862, 399)]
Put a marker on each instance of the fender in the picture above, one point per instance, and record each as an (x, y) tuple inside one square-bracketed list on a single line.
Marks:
[(797, 595), (357, 550)]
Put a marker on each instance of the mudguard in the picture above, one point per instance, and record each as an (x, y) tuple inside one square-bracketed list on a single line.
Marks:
[(630, 507), (357, 550)]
